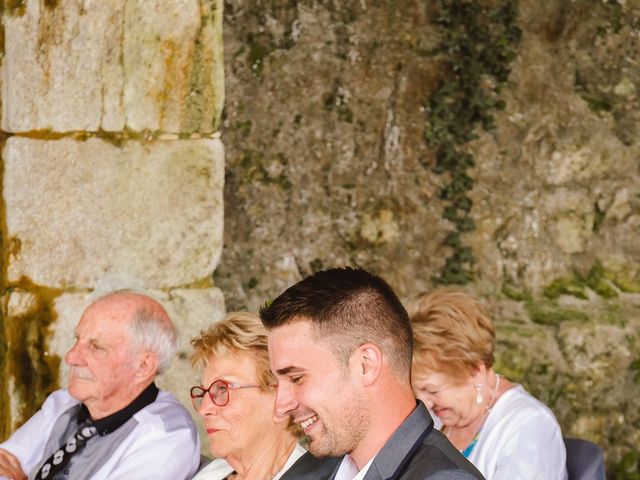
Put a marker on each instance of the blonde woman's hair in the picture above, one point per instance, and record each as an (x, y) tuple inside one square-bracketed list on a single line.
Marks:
[(452, 334), (238, 332)]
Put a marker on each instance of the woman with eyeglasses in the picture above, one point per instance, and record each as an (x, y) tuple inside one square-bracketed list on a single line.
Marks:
[(236, 402)]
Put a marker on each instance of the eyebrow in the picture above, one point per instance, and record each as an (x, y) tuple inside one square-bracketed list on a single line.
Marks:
[(287, 370)]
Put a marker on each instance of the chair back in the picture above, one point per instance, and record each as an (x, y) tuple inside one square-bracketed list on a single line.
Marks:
[(585, 460)]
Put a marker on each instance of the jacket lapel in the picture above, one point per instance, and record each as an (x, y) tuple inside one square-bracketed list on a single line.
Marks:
[(391, 461)]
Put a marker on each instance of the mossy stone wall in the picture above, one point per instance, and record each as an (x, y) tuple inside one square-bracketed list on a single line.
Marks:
[(112, 172), (329, 121)]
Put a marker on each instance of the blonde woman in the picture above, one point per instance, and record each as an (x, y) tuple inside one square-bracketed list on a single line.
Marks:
[(236, 400), (503, 430)]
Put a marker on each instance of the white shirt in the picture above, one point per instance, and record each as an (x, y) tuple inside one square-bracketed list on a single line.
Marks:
[(520, 439), (220, 468), (163, 445), (348, 469)]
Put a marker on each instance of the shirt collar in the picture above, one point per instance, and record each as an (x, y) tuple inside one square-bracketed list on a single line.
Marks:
[(348, 470), (114, 421)]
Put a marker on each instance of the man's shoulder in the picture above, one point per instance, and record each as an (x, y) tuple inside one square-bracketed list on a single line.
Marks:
[(311, 468), (417, 451), (167, 412), (58, 401), (437, 458), (61, 397)]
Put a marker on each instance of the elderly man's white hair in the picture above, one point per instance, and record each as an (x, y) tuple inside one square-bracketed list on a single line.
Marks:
[(150, 326)]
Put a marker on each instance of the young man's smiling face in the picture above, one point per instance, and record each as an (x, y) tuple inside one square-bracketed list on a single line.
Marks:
[(316, 390)]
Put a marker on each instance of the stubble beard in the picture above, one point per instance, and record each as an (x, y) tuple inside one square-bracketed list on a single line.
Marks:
[(344, 437)]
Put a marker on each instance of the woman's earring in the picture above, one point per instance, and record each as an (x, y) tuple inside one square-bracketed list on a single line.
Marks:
[(479, 397)]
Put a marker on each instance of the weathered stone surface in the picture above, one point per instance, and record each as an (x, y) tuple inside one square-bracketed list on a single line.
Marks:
[(149, 213), (21, 303), (173, 65), (571, 234), (61, 68), (94, 65), (191, 310), (309, 174)]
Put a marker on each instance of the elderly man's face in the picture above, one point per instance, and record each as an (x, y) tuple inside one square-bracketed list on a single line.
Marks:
[(102, 365)]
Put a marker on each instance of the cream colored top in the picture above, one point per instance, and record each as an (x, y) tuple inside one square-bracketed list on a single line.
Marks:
[(220, 469)]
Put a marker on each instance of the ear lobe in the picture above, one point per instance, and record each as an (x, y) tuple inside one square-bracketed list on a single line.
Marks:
[(480, 372), (147, 366), (370, 362)]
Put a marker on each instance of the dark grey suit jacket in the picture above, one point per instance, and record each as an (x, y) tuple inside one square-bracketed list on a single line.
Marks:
[(415, 451), (308, 467)]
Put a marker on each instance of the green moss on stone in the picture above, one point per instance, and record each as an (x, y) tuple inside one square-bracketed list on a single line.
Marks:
[(254, 167), (547, 313), (338, 101), (244, 127), (597, 104), (258, 51), (597, 281), (509, 369), (614, 314), (565, 286), (625, 284), (635, 370), (629, 467), (515, 293), (479, 42)]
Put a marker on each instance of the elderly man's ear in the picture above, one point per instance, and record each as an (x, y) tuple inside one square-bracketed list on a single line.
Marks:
[(146, 366)]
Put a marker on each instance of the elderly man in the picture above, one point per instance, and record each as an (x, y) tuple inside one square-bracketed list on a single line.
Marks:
[(340, 345), (112, 422)]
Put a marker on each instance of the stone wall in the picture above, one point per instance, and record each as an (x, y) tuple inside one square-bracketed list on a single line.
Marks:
[(112, 176), (327, 164)]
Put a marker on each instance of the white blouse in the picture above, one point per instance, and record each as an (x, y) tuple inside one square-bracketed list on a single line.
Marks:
[(520, 439), (220, 469)]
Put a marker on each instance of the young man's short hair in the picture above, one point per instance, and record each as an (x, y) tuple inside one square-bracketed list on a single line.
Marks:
[(348, 308)]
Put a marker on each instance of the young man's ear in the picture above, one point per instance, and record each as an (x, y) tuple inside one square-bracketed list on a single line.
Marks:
[(368, 362)]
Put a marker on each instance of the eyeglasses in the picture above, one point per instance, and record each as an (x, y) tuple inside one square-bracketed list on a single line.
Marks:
[(218, 392)]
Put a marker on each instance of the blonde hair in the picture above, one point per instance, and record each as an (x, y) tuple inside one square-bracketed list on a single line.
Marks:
[(238, 332), (452, 334)]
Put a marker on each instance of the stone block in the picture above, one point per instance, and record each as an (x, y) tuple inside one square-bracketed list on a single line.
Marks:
[(61, 69), (94, 65), (173, 65), (571, 234), (149, 214)]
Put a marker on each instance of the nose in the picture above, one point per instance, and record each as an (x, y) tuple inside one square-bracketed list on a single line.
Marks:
[(285, 402), (74, 356), (207, 407), (425, 397)]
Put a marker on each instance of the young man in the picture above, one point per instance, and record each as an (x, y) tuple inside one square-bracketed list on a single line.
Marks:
[(340, 345), (112, 422)]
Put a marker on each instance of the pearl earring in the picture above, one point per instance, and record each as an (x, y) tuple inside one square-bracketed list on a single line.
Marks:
[(479, 397)]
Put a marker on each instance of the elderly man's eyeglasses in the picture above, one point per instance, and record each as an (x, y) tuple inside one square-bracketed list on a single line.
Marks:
[(218, 392)]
